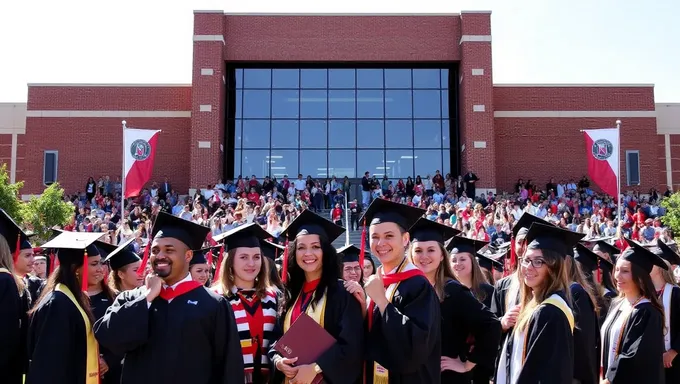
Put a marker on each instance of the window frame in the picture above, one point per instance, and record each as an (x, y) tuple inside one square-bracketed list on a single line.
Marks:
[(628, 167), (56, 166)]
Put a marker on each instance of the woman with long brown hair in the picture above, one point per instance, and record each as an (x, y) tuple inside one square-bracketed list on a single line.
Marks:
[(633, 332), (61, 343), (540, 348), (466, 268), (470, 332)]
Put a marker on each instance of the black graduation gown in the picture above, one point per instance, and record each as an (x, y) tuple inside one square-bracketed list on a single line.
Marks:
[(641, 353), (11, 313), (549, 348), (406, 340), (34, 286), (606, 304), (57, 344), (464, 317), (99, 304), (191, 339), (488, 290), (673, 373), (342, 363), (498, 307), (586, 337)]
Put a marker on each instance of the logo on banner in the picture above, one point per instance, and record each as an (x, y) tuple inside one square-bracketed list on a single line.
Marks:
[(602, 149), (140, 150)]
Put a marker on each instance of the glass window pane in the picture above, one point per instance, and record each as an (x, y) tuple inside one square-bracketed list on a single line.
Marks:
[(372, 161), (398, 78), (341, 78), (399, 133), (426, 78), (341, 163), (313, 104), (237, 134), (239, 78), (445, 104), (370, 134), (427, 133), (370, 104), (285, 104), (286, 78), (257, 78), (445, 79), (341, 104), (313, 134), (237, 163), (370, 78), (255, 134), (239, 104), (256, 104), (254, 162), (285, 134), (283, 162), (398, 104), (427, 161), (341, 134), (399, 163), (313, 162), (446, 132), (446, 159), (313, 78), (426, 104)]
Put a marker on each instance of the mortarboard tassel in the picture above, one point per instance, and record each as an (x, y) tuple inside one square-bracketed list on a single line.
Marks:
[(145, 260), (218, 267), (513, 255), (53, 261), (83, 277), (15, 257), (210, 257), (284, 266), (599, 272), (362, 250)]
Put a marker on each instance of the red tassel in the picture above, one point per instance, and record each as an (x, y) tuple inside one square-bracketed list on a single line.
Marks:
[(145, 260), (284, 267), (362, 251), (15, 257), (210, 258), (83, 277), (53, 261), (599, 272), (513, 256), (218, 267)]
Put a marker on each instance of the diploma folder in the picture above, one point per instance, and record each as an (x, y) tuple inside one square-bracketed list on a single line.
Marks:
[(306, 340)]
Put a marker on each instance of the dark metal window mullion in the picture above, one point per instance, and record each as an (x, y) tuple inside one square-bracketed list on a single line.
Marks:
[(271, 123), (356, 123), (413, 127), (384, 91)]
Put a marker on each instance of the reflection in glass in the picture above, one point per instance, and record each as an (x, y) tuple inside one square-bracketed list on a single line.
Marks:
[(342, 163), (257, 78), (286, 78), (255, 134), (446, 140), (313, 162), (313, 104), (313, 78), (372, 161), (398, 104), (427, 161), (285, 104), (341, 104), (445, 79), (426, 104), (283, 162), (370, 78), (237, 134), (370, 133), (399, 163), (313, 134), (239, 78), (446, 162), (285, 133), (445, 104), (370, 104), (398, 133), (237, 162), (239, 103), (398, 78), (341, 78), (254, 162), (427, 133), (256, 104), (341, 134), (426, 78)]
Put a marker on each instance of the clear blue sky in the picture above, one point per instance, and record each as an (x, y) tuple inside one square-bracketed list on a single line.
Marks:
[(149, 41)]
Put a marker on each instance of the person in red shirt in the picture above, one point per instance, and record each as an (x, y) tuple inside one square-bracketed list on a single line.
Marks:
[(639, 217), (253, 196), (337, 215)]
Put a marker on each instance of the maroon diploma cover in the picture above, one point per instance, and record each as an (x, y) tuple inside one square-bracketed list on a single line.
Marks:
[(306, 340)]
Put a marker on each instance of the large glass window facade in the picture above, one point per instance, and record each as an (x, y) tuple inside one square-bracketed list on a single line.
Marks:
[(340, 122)]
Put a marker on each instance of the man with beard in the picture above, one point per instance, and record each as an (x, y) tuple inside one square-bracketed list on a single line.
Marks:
[(172, 329)]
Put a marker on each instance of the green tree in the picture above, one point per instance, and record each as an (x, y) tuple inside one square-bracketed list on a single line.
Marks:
[(9, 195), (46, 211), (672, 216)]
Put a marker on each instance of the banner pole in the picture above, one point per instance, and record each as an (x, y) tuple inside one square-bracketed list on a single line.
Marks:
[(122, 190), (619, 199)]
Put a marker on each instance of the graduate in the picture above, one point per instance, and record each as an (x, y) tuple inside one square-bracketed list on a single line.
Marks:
[(404, 318), (244, 280), (608, 252), (350, 268), (633, 332), (124, 264), (13, 302), (172, 329), (466, 269), (271, 251), (540, 348), (61, 345), (198, 266), (491, 267), (669, 295), (310, 271), (470, 332), (596, 269)]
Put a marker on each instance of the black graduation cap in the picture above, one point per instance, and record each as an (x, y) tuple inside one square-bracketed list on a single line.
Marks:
[(191, 234), (667, 253), (349, 253), (248, 236), (489, 263), (548, 236), (522, 225), (602, 245), (590, 259), (105, 249), (428, 230), (465, 245), (71, 246), (271, 250), (309, 223), (122, 256), (11, 232), (642, 257), (199, 257), (385, 211)]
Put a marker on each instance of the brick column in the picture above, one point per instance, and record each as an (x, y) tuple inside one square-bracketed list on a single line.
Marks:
[(476, 99), (207, 99)]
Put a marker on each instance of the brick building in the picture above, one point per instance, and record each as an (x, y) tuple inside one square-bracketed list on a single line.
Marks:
[(336, 95)]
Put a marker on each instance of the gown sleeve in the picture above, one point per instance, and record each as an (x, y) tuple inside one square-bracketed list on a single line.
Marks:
[(125, 326), (410, 332), (496, 301), (228, 356), (9, 319), (549, 348), (675, 316), (586, 361), (642, 334), (342, 362)]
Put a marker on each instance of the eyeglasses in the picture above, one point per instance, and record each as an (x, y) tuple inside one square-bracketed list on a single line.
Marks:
[(536, 263), (352, 269)]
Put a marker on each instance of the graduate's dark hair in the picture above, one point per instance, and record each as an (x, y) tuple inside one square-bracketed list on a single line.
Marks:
[(66, 274), (644, 283), (488, 276), (576, 273), (330, 266), (608, 281), (274, 277), (369, 259)]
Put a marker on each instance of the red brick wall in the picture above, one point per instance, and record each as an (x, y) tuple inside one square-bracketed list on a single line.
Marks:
[(135, 98), (6, 154), (574, 99)]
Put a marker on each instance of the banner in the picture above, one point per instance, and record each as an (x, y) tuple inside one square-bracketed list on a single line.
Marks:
[(603, 149), (139, 151)]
